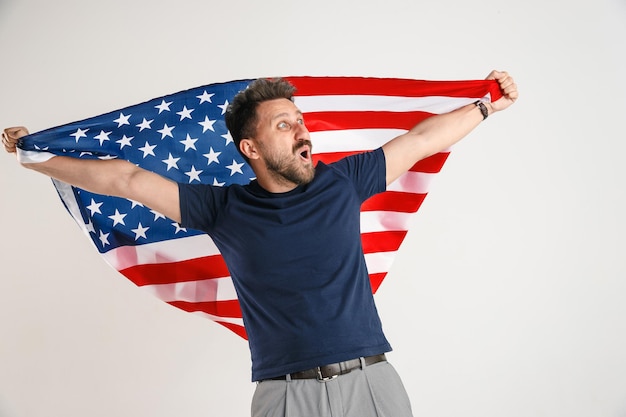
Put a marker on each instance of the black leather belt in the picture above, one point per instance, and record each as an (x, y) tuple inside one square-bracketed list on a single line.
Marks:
[(333, 370)]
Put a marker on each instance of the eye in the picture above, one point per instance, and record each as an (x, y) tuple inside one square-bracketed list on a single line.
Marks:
[(283, 125), (301, 121)]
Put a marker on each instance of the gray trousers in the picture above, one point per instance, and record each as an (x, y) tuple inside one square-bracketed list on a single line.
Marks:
[(374, 391)]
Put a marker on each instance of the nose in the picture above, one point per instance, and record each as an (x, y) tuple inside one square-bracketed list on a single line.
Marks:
[(301, 132)]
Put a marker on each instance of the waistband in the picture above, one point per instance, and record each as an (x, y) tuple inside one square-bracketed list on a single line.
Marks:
[(333, 370)]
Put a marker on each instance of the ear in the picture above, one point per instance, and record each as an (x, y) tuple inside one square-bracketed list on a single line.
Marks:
[(248, 148)]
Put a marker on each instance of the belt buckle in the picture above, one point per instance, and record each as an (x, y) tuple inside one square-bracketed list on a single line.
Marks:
[(322, 378)]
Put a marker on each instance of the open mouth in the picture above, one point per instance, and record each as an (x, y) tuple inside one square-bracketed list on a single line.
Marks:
[(305, 153)]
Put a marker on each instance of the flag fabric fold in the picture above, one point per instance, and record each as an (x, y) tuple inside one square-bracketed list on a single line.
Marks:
[(183, 136)]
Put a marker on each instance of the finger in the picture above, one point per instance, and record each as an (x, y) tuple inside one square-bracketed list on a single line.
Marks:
[(15, 132), (9, 145), (510, 90), (497, 75), (492, 75), (513, 95)]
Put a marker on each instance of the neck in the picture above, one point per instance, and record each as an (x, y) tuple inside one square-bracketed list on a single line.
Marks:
[(274, 183)]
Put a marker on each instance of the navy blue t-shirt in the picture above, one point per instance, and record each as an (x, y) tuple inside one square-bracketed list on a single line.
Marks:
[(297, 263)]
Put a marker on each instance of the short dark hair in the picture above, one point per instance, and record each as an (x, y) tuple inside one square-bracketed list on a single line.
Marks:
[(241, 117)]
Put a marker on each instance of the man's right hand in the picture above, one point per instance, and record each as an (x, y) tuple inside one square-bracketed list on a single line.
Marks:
[(11, 136), (116, 177)]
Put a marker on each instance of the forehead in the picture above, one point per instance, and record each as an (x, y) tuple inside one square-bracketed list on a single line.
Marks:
[(270, 109)]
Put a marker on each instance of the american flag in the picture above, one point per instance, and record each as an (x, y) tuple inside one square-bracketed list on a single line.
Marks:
[(183, 136)]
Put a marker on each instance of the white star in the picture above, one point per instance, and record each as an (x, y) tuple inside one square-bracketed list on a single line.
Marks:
[(171, 162), (235, 167), (212, 156), (102, 136), (140, 231), (166, 131), (107, 157), (189, 143), (94, 207), (223, 106), (134, 203), (228, 138), (147, 149), (207, 124), (218, 184), (145, 124), (178, 228), (205, 97), (104, 238), (193, 174), (80, 133), (122, 120), (89, 227), (157, 215), (185, 113), (118, 218), (164, 106), (125, 141)]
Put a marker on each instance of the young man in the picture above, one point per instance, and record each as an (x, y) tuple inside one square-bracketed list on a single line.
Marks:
[(291, 240)]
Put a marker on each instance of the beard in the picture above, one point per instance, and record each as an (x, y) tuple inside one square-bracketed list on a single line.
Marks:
[(288, 167)]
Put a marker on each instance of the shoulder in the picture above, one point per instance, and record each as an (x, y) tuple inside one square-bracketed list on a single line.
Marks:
[(366, 171), (354, 161)]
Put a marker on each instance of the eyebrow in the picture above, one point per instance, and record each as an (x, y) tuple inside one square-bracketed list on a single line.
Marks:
[(285, 114)]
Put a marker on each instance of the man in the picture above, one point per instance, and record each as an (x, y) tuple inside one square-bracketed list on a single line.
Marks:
[(291, 240)]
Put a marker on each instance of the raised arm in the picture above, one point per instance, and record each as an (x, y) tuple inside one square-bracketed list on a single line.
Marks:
[(113, 177), (438, 133)]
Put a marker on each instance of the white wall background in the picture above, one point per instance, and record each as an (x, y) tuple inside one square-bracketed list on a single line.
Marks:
[(508, 296)]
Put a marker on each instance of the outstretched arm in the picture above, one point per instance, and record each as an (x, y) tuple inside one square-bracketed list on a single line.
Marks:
[(113, 177), (438, 133)]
